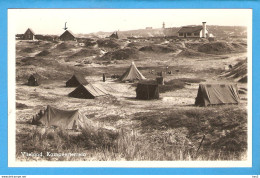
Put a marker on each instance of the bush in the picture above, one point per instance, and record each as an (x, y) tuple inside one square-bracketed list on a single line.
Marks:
[(221, 48), (21, 106)]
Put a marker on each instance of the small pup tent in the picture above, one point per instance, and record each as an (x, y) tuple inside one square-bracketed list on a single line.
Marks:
[(147, 90), (131, 74), (65, 119), (89, 91), (34, 80), (76, 80), (214, 94)]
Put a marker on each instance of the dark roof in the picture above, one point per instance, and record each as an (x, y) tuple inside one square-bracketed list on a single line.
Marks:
[(190, 29), (30, 30), (81, 79), (67, 32)]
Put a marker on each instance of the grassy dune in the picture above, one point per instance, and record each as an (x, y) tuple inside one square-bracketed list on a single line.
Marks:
[(165, 135)]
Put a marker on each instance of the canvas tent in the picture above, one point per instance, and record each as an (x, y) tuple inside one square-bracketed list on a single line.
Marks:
[(147, 90), (131, 74), (65, 119), (89, 91), (214, 94), (34, 80), (76, 80)]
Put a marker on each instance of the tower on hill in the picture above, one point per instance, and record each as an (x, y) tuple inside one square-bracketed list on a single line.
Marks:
[(163, 25)]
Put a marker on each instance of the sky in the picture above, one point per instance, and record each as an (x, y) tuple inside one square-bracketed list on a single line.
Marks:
[(52, 21)]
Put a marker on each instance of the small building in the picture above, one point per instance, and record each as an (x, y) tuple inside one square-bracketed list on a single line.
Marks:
[(29, 35), (193, 31), (34, 80), (67, 36)]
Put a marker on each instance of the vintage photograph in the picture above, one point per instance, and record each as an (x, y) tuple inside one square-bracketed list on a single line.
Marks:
[(130, 85)]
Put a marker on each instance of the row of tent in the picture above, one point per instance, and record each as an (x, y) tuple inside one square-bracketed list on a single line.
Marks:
[(208, 94), (72, 119), (84, 89)]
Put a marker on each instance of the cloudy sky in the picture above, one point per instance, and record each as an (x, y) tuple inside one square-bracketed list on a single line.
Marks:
[(51, 21)]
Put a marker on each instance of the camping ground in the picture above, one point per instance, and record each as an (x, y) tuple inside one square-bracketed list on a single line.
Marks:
[(122, 127)]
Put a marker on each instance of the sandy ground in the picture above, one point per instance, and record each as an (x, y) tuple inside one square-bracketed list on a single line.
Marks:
[(121, 100)]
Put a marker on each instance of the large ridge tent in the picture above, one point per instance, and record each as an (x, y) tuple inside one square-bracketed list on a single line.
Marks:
[(89, 91), (34, 80), (114, 35), (147, 90), (131, 74), (65, 119), (76, 80), (215, 94)]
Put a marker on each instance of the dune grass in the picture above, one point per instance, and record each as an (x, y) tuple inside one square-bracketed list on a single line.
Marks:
[(177, 84), (166, 135)]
